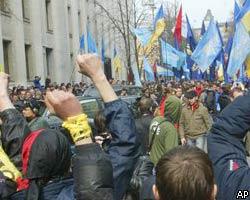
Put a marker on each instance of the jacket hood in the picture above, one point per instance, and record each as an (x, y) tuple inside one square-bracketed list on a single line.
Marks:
[(173, 109)]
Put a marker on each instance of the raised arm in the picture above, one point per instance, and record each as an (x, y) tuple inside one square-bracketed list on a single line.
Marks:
[(226, 150), (123, 149)]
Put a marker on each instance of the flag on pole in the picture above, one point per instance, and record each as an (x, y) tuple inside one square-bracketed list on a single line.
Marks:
[(240, 49), (190, 36), (208, 48), (158, 30), (191, 45), (149, 74), (203, 29), (236, 11), (143, 35), (178, 30), (159, 16), (91, 43), (136, 76), (171, 56), (117, 62)]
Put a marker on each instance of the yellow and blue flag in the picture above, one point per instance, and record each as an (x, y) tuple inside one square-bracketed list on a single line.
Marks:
[(208, 48), (159, 27), (241, 42), (117, 63)]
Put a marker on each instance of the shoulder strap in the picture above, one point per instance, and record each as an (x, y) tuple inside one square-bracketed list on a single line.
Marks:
[(153, 137)]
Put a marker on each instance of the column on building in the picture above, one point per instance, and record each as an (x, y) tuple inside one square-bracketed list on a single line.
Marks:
[(36, 19), (18, 71), (62, 69), (76, 34)]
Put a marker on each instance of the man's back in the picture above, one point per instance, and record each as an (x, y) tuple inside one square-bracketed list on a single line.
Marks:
[(166, 138), (142, 129)]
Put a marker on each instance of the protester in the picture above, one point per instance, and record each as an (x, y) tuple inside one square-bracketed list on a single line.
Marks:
[(163, 133), (31, 114), (226, 150), (194, 122), (146, 108), (185, 173)]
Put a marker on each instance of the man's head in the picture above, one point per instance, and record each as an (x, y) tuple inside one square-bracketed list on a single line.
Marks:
[(146, 105), (178, 92), (31, 110), (22, 94), (191, 96), (185, 173)]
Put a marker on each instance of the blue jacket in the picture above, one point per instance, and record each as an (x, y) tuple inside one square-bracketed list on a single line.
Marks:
[(226, 150), (124, 148)]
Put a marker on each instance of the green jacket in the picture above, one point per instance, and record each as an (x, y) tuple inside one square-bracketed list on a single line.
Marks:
[(38, 123), (166, 137), (194, 124)]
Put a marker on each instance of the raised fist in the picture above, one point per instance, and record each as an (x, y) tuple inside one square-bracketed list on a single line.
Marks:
[(90, 65)]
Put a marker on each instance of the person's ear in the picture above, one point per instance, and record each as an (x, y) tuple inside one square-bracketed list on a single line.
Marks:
[(214, 192), (155, 192)]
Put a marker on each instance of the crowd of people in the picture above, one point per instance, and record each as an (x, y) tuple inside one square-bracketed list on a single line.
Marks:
[(185, 140)]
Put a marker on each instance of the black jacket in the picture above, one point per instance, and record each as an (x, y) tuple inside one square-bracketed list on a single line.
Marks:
[(227, 152), (14, 131), (142, 129)]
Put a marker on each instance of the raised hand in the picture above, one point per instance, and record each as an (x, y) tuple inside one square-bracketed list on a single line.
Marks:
[(90, 65), (63, 104)]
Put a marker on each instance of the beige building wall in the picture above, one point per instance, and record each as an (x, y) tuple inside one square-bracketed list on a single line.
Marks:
[(42, 37)]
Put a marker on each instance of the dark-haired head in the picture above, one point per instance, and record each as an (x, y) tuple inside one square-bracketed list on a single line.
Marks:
[(185, 173)]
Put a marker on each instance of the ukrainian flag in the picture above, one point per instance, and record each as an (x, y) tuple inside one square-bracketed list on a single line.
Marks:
[(117, 62), (244, 17), (159, 27)]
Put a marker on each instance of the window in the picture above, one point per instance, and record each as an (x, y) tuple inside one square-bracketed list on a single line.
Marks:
[(28, 60), (25, 6), (49, 16), (48, 61), (69, 22), (6, 56), (4, 6)]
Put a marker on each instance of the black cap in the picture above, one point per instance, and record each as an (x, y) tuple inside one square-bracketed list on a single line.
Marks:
[(190, 94)]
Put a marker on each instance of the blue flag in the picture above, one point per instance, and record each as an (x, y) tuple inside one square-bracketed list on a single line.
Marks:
[(171, 56), (149, 74), (190, 36), (208, 48), (236, 11), (240, 49), (91, 43), (203, 29), (82, 43), (103, 51), (143, 35), (191, 45), (159, 15), (136, 76)]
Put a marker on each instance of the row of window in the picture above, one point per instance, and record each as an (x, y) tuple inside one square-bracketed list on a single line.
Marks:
[(8, 59), (5, 9)]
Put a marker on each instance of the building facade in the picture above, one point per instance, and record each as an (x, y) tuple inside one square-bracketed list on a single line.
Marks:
[(42, 38)]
